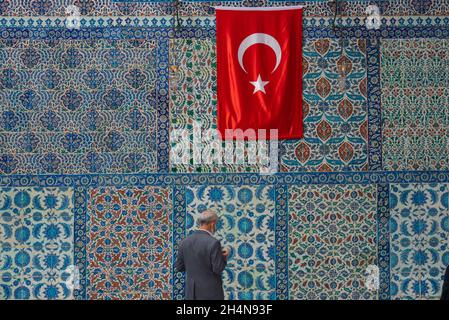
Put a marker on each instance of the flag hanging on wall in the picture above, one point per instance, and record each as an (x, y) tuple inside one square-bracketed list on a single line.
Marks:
[(259, 72)]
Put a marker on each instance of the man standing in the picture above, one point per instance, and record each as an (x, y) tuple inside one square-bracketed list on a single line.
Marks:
[(445, 293), (203, 259)]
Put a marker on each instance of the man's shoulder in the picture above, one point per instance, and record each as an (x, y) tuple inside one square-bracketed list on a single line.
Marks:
[(201, 235)]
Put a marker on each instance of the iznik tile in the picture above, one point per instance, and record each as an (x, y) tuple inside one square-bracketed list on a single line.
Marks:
[(332, 241), (419, 239), (101, 8), (129, 249), (334, 109), (36, 243), (318, 9), (415, 108), (321, 9), (78, 106), (246, 226), (89, 105)]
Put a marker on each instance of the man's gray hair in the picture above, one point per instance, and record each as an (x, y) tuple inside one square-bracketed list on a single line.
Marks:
[(207, 217)]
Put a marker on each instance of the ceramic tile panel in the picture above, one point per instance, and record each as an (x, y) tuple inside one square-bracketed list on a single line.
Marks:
[(334, 109), (246, 226), (36, 243), (332, 241), (129, 250), (78, 106), (415, 108), (419, 239)]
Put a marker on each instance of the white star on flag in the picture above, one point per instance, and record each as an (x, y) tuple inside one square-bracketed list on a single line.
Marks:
[(259, 85)]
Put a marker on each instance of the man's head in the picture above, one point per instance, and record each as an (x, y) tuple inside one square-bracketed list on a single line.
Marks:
[(208, 220)]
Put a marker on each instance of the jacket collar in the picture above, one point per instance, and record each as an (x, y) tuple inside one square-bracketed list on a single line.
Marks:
[(205, 231)]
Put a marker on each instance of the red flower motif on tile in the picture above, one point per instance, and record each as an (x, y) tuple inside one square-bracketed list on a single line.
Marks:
[(129, 245)]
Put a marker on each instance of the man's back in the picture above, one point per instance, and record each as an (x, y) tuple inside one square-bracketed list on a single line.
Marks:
[(445, 293), (200, 255)]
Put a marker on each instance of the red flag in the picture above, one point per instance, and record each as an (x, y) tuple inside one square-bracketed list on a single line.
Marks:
[(259, 72)]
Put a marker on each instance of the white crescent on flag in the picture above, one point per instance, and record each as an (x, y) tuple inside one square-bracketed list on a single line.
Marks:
[(262, 38)]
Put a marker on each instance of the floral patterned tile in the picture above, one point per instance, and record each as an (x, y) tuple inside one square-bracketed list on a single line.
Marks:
[(129, 247), (332, 241), (246, 227), (414, 104), (419, 239), (36, 252)]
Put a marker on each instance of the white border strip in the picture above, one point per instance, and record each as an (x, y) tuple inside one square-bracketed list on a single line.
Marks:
[(258, 8)]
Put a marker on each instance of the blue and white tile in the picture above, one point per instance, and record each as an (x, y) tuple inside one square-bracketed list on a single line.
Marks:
[(36, 250), (246, 226), (419, 239)]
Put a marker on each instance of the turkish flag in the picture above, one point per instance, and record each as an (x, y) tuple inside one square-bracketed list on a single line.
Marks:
[(259, 72)]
